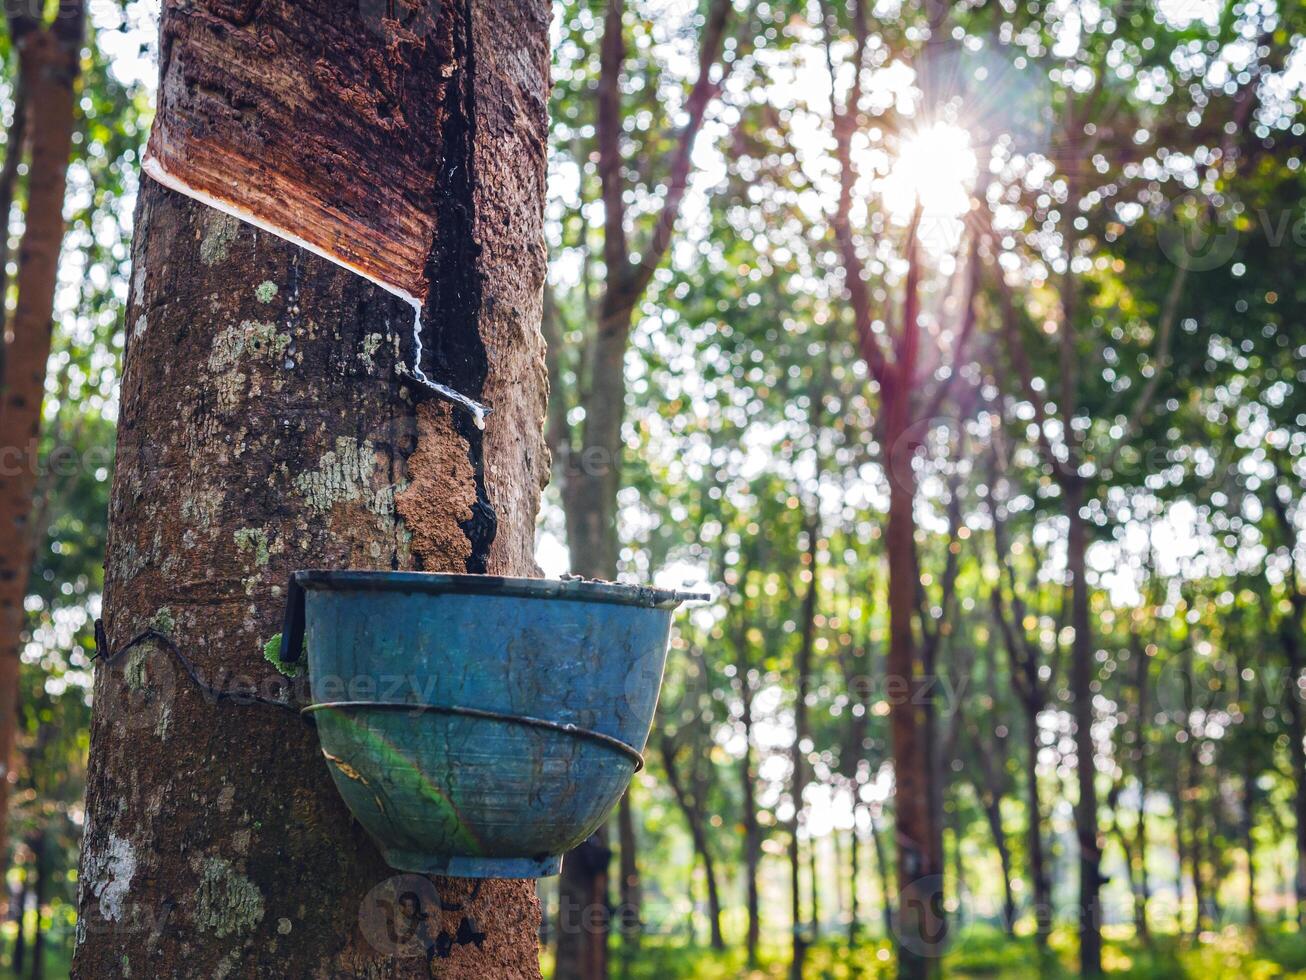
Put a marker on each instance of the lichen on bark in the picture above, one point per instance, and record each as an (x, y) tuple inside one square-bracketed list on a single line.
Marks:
[(226, 903)]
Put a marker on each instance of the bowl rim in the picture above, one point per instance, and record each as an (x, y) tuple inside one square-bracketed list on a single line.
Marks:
[(451, 583)]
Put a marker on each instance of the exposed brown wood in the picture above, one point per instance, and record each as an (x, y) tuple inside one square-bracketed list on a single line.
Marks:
[(321, 119)]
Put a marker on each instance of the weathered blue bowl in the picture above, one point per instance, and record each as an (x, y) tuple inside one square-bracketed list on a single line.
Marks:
[(479, 726)]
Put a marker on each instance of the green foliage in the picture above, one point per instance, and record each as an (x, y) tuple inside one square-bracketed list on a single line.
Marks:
[(75, 462), (272, 654), (751, 432)]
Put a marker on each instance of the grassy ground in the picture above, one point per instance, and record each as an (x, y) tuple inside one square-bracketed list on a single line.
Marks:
[(982, 954), (985, 954), (57, 951), (57, 967)]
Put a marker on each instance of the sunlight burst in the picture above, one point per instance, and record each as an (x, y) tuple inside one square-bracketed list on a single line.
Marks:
[(934, 166)]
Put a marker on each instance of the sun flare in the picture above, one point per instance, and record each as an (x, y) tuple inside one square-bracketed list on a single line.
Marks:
[(934, 167)]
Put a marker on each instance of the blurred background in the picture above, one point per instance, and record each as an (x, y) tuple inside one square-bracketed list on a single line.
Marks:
[(987, 315)]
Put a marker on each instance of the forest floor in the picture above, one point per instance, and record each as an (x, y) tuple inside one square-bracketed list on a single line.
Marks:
[(985, 953), (982, 954)]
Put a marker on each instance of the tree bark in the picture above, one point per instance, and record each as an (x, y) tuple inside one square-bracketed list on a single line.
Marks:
[(18, 962), (49, 59), (1142, 685), (920, 919), (1040, 884), (42, 849), (268, 423), (854, 875), (1081, 688), (752, 832), (1249, 845), (797, 755), (1291, 635), (887, 912), (992, 806), (691, 807)]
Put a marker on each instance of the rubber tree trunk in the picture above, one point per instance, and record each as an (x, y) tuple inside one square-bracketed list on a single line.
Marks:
[(42, 848), (919, 925), (752, 832), (591, 478), (1180, 843), (814, 923), (1202, 883), (1081, 688), (266, 426), (1290, 634), (854, 876), (594, 551), (18, 963), (1040, 884), (797, 756), (691, 808), (993, 814), (883, 873), (1142, 666), (1249, 845), (49, 59)]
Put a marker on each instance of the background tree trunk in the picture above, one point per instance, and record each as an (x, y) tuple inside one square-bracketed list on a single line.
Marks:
[(1291, 630), (1081, 680), (797, 756), (884, 873), (591, 472), (590, 500), (1142, 666), (49, 59), (18, 961), (42, 849), (752, 832), (267, 425), (691, 806), (920, 907), (854, 874)]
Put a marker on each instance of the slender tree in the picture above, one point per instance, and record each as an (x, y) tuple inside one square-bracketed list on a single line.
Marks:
[(587, 464), (1032, 677), (1292, 641), (913, 380), (798, 761), (49, 61), (689, 791)]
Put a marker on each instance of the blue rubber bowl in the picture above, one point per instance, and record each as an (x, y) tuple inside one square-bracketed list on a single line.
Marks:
[(479, 726)]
